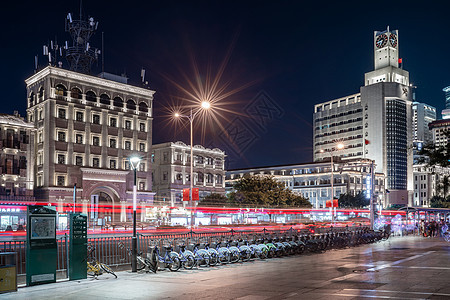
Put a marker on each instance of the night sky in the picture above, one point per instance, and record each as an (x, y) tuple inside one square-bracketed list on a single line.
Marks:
[(285, 56)]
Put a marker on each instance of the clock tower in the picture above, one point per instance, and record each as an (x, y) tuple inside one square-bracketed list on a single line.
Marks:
[(385, 48)]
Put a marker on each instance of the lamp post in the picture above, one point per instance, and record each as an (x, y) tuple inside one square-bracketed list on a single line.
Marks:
[(204, 105), (331, 151), (134, 161)]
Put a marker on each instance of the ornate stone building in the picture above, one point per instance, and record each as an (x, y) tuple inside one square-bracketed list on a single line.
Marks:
[(171, 171), (87, 127)]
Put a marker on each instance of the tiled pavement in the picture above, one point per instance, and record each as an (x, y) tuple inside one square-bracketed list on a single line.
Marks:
[(400, 268)]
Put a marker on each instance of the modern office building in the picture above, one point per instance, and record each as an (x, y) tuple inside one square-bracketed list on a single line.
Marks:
[(423, 115), (313, 180), (87, 128), (375, 123), (171, 171), (439, 129), (446, 111)]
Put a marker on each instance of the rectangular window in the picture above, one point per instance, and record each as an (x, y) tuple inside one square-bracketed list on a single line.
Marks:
[(79, 138), (142, 127), (142, 186), (112, 164), (127, 145), (127, 124), (79, 160), (126, 165), (142, 147), (60, 180), (61, 159), (96, 162), (61, 113), (79, 116), (112, 143), (113, 122), (96, 141), (61, 136), (96, 119), (165, 175), (141, 167)]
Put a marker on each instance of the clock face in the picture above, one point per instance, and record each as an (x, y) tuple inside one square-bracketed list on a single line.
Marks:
[(393, 40), (381, 41)]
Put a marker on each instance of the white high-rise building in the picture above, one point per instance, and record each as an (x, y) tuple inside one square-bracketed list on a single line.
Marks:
[(423, 114), (375, 123)]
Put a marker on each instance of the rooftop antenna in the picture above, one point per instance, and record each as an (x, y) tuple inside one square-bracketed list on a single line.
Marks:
[(80, 55)]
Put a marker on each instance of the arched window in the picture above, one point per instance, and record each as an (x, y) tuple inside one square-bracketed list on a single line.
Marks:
[(60, 90), (91, 96), (131, 104), (41, 93), (209, 178), (75, 93), (219, 179), (118, 102), (104, 99), (143, 107), (31, 99), (200, 177)]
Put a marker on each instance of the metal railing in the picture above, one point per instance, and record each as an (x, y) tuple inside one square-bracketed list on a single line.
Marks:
[(113, 250)]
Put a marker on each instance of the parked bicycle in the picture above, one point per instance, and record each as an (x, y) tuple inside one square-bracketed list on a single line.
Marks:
[(94, 267)]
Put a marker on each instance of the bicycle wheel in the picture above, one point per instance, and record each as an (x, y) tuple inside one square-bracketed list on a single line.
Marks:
[(189, 263), (214, 259), (140, 263), (175, 263), (91, 270), (235, 256), (107, 269)]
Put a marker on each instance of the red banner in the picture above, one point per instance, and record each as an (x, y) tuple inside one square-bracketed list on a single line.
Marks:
[(335, 203), (185, 194), (195, 194)]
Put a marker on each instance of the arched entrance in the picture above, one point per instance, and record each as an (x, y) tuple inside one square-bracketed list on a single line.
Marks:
[(104, 201)]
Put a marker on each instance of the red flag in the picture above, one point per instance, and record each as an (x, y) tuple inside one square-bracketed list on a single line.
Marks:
[(328, 203), (399, 60), (195, 194), (185, 194), (367, 142), (335, 203)]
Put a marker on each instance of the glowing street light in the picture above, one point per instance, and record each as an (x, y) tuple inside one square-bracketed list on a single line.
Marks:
[(339, 146), (205, 105), (134, 161)]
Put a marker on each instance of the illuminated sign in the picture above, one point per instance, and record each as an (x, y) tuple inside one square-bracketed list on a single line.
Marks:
[(368, 186)]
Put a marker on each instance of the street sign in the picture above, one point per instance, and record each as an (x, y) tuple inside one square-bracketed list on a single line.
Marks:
[(185, 194), (195, 194)]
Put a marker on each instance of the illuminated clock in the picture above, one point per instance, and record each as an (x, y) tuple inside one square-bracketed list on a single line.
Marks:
[(393, 40), (381, 41)]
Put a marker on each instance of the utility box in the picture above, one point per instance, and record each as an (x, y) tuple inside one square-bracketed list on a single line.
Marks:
[(8, 272), (78, 247), (41, 255)]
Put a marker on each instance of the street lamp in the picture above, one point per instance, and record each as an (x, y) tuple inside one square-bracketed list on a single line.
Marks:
[(339, 146), (204, 105), (134, 161)]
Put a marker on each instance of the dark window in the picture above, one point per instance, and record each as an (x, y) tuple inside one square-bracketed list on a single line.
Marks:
[(78, 160), (60, 180), (127, 145), (112, 164), (113, 122), (127, 124), (95, 141), (142, 147), (127, 165), (112, 143), (61, 136), (79, 138), (96, 162), (60, 90), (131, 104), (104, 99), (79, 116), (118, 102), (143, 107), (61, 113), (90, 96), (142, 186), (142, 127), (96, 119), (61, 159), (75, 93)]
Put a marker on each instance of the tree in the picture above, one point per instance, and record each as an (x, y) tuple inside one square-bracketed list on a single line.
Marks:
[(349, 201), (265, 191), (214, 199)]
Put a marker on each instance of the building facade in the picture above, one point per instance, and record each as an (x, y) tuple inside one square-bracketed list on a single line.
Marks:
[(423, 115), (375, 123), (171, 171), (87, 127), (313, 180)]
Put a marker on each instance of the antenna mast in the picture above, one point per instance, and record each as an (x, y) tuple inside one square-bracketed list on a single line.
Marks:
[(80, 55)]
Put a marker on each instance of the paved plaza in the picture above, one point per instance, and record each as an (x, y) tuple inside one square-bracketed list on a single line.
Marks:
[(401, 268)]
